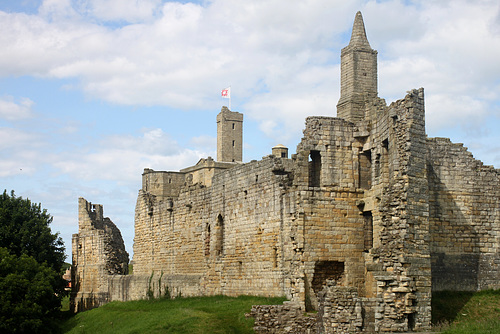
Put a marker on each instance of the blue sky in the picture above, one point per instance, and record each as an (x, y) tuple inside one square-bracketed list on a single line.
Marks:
[(94, 91)]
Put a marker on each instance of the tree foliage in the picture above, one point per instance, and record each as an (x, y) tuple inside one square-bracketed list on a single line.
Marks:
[(24, 229), (28, 300), (31, 264)]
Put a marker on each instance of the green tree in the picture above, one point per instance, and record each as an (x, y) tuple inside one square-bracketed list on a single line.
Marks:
[(24, 229), (31, 264), (28, 300)]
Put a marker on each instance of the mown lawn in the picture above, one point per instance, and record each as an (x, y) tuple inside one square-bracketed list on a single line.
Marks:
[(218, 314), (466, 312), (452, 313)]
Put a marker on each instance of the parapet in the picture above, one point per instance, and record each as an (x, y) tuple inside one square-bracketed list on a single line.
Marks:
[(204, 170), (161, 183), (228, 115)]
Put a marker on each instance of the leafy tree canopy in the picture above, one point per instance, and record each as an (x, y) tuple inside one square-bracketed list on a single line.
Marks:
[(28, 302), (24, 229)]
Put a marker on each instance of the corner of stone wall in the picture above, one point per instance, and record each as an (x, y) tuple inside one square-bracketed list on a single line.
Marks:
[(98, 252), (340, 311)]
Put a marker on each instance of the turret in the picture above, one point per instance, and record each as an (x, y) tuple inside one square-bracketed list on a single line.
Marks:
[(358, 74), (229, 136)]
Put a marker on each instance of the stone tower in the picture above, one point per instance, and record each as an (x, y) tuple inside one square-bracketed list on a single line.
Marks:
[(229, 136), (98, 252), (358, 74)]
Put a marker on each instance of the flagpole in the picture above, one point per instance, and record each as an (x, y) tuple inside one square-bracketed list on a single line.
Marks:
[(226, 93)]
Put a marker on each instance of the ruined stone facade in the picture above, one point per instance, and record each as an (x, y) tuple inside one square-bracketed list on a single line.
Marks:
[(361, 223), (98, 253)]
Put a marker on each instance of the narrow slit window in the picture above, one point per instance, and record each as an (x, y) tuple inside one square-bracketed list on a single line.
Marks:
[(314, 169), (365, 170), (368, 230), (207, 241), (219, 246)]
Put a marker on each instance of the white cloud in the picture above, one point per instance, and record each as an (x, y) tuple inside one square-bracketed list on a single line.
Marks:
[(21, 152), (205, 143), (12, 110), (57, 9), (121, 158), (119, 10), (445, 111), (180, 55), (282, 67), (281, 59)]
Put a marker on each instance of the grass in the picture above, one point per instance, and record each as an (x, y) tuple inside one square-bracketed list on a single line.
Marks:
[(218, 314), (466, 312), (452, 313), (65, 304)]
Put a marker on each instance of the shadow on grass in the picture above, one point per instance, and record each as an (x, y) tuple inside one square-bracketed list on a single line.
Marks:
[(447, 304)]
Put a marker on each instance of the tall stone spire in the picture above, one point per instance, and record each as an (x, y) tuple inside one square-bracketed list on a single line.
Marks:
[(358, 74), (358, 36)]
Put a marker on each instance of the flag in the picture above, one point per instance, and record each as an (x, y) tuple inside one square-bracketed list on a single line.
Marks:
[(226, 93)]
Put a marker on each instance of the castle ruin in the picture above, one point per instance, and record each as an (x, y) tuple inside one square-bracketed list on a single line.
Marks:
[(362, 223)]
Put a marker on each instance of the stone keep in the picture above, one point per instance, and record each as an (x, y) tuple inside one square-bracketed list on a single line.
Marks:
[(229, 136), (362, 223)]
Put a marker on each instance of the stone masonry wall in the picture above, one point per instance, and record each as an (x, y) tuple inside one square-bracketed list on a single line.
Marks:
[(340, 311), (328, 229), (465, 219), (360, 224), (98, 251), (224, 238), (399, 262)]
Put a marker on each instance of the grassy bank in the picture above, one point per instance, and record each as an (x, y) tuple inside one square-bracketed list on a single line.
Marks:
[(466, 312), (217, 314), (452, 313)]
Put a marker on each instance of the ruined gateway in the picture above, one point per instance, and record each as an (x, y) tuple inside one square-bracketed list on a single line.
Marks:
[(369, 215)]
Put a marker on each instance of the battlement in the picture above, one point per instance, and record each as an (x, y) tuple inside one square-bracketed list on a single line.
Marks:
[(162, 183)]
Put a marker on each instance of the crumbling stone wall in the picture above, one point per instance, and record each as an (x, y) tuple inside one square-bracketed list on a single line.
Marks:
[(327, 233), (339, 311), (353, 225), (225, 237), (465, 219), (399, 263), (98, 252), (287, 226), (286, 318)]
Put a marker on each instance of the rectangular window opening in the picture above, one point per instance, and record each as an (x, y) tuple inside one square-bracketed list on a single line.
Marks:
[(314, 169), (365, 170), (368, 230)]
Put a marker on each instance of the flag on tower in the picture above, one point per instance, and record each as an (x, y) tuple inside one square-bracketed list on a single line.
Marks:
[(226, 93)]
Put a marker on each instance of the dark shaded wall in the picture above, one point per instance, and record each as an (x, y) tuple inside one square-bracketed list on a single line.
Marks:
[(464, 219)]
